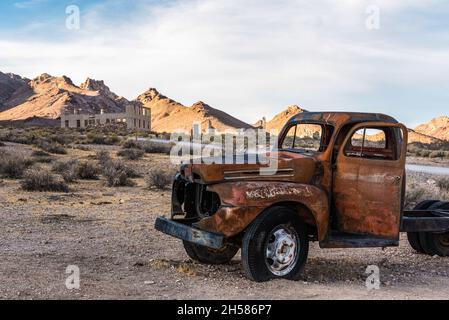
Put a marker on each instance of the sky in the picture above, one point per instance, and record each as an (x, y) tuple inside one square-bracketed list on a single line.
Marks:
[(250, 58)]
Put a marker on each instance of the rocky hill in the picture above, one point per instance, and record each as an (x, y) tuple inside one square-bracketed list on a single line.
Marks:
[(168, 115), (42, 99), (438, 128), (12, 88)]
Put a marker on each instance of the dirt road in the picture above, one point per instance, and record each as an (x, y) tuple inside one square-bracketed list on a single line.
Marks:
[(121, 256)]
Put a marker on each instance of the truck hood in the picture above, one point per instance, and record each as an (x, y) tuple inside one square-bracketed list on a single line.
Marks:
[(283, 166)]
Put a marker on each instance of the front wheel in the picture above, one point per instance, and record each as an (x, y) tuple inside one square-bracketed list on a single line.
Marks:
[(210, 256), (275, 246)]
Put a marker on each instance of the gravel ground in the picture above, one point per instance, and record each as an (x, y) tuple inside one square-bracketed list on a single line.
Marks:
[(109, 235)]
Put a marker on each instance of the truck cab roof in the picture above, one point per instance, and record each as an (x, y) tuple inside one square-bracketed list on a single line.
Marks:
[(339, 118)]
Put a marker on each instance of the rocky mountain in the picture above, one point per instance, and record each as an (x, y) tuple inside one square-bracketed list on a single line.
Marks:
[(438, 128), (12, 87), (168, 115), (42, 99), (279, 120)]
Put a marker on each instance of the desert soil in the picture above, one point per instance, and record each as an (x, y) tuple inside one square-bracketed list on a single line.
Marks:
[(108, 233)]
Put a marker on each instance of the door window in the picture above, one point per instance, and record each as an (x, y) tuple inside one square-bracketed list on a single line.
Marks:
[(372, 143)]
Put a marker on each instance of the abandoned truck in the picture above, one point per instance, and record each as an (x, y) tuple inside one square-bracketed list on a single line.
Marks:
[(344, 187)]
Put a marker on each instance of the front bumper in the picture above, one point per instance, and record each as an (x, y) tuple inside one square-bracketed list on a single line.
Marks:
[(190, 234)]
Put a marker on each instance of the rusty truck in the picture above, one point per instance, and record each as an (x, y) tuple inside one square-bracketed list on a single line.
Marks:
[(342, 186)]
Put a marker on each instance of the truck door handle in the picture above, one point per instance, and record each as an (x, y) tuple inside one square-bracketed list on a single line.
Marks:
[(396, 179)]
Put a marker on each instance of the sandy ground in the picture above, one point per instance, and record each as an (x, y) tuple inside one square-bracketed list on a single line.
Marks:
[(108, 233)]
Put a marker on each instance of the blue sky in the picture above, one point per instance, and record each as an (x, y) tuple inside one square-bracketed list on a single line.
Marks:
[(250, 58)]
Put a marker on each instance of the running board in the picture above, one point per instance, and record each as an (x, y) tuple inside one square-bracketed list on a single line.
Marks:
[(349, 240)]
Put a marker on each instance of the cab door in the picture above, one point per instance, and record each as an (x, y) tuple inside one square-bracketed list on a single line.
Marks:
[(368, 180)]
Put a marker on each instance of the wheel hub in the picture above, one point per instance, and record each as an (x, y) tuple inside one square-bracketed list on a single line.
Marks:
[(281, 251)]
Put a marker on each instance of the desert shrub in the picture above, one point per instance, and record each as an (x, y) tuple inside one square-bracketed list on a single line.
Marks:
[(40, 156), (159, 179), (42, 180), (67, 169), (113, 139), (40, 153), (443, 184), (414, 195), (13, 166), (51, 147), (153, 147), (94, 138), (423, 153), (117, 174), (436, 154), (131, 154), (131, 144), (63, 139), (88, 171), (82, 148), (103, 157), (102, 139), (43, 159)]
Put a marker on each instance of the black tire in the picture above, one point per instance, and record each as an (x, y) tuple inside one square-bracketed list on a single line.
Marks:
[(264, 232), (425, 238), (210, 256), (413, 237), (438, 243)]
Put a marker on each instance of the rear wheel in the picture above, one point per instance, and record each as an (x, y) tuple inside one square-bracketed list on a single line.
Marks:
[(275, 246), (210, 256), (436, 243), (413, 237)]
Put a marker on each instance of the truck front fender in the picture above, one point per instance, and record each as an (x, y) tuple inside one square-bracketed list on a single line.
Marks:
[(242, 202)]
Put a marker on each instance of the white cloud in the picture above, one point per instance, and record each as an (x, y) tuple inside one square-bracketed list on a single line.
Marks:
[(249, 58)]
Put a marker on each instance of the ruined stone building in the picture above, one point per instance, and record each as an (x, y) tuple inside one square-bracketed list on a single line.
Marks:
[(134, 117)]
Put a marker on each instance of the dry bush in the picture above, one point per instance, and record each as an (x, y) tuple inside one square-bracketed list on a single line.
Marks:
[(154, 147), (42, 180), (117, 174), (103, 157), (40, 153), (88, 171), (13, 166), (102, 139), (67, 169), (40, 156), (131, 154), (423, 186), (2, 144), (436, 154), (159, 179), (414, 196), (131, 144), (52, 147), (443, 184)]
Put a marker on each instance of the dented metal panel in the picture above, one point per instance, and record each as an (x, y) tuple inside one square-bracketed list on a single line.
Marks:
[(242, 202)]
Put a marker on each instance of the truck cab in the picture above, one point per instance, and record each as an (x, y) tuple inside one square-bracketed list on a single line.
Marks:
[(340, 181)]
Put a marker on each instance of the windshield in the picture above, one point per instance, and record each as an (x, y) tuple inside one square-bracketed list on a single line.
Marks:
[(304, 137)]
